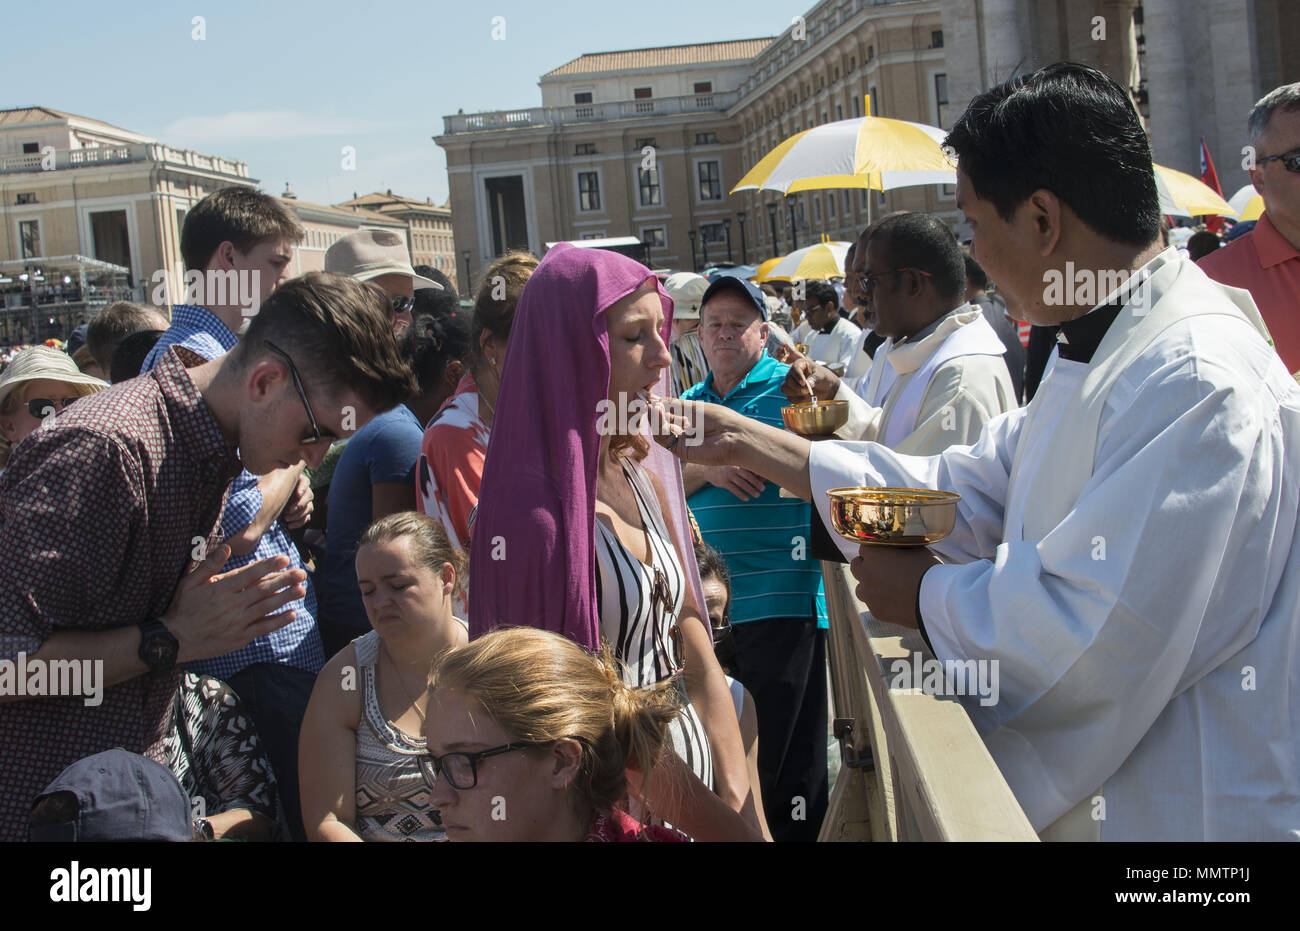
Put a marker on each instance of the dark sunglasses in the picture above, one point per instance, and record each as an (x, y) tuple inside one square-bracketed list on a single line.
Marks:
[(867, 283), (674, 646), (461, 769), (1290, 160), (402, 304), (317, 436), (40, 408)]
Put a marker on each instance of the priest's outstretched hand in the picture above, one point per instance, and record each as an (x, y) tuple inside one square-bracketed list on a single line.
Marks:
[(696, 431), (889, 581)]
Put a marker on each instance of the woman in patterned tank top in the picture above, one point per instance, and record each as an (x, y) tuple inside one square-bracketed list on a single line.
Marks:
[(363, 768)]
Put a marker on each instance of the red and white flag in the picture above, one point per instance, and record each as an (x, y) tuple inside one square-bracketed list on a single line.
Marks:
[(1210, 178)]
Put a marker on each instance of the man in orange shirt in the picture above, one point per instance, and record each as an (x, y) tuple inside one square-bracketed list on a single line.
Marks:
[(1266, 261)]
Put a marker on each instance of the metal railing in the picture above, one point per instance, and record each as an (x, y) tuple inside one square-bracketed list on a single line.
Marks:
[(914, 767), (121, 154), (588, 112)]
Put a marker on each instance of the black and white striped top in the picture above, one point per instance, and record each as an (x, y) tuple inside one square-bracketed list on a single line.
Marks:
[(635, 627)]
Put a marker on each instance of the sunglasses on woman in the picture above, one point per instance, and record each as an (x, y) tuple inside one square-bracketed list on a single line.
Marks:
[(40, 408), (667, 631)]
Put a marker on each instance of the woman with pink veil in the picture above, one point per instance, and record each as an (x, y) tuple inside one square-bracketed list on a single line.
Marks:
[(581, 526)]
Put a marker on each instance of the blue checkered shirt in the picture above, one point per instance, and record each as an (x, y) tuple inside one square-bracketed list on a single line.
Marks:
[(297, 644), (195, 328)]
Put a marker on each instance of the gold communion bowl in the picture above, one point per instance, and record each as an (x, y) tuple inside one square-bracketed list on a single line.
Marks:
[(893, 516), (820, 419)]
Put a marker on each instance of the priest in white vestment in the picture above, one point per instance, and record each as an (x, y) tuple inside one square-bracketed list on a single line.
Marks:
[(831, 338), (939, 376), (1126, 546)]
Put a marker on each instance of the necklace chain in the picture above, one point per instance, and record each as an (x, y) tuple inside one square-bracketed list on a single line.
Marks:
[(415, 703)]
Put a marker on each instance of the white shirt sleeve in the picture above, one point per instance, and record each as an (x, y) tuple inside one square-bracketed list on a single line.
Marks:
[(979, 473), (1162, 570)]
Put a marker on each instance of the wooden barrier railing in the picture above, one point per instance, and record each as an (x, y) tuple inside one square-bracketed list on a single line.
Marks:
[(914, 767)]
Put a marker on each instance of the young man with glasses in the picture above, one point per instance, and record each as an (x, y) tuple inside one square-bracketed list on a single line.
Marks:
[(141, 472), (250, 235), (1266, 261)]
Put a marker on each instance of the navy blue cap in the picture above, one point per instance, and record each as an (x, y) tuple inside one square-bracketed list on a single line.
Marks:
[(120, 796), (740, 286)]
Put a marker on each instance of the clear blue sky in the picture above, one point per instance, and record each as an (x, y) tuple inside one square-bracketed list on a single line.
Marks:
[(284, 86)]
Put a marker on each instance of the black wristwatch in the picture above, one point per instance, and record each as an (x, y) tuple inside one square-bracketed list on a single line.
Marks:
[(158, 648)]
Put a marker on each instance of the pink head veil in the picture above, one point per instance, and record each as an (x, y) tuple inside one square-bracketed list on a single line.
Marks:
[(533, 557)]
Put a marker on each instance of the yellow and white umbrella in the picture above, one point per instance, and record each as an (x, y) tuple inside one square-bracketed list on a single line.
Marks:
[(823, 260), (867, 152), (1247, 202), (760, 273), (1181, 195)]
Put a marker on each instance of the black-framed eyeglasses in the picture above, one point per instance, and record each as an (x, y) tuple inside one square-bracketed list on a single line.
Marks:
[(1290, 160), (317, 436), (461, 769), (667, 631), (867, 283), (40, 408)]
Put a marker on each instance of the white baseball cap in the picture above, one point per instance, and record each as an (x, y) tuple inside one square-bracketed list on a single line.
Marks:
[(687, 291), (369, 253)]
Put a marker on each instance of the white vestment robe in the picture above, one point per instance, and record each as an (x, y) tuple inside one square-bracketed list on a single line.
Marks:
[(961, 392), (836, 346), (1126, 549)]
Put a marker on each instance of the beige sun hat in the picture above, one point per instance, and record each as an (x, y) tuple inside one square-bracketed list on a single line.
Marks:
[(43, 362), (687, 290), (369, 253)]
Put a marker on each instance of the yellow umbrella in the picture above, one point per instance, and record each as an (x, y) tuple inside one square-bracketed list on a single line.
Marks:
[(822, 260), (867, 152), (1247, 202), (761, 273), (1184, 196)]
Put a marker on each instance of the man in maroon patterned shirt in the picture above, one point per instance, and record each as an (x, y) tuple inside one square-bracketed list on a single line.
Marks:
[(103, 510)]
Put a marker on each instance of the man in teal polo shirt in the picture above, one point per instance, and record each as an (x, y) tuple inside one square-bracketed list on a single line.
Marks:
[(778, 610)]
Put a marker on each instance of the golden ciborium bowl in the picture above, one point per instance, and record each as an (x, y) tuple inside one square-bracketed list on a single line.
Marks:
[(893, 516), (820, 419)]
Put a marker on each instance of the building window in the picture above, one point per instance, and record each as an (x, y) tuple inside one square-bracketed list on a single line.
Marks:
[(642, 97), (31, 148), (26, 198), (656, 237), (871, 52), (710, 177), (817, 210), (600, 235), (830, 205), (839, 111), (713, 234), (588, 190), (853, 62), (706, 138), (584, 97), (584, 148), (704, 87), (857, 105), (875, 102), (941, 99), (648, 185), (647, 141), (847, 204), (862, 198), (29, 235), (936, 39)]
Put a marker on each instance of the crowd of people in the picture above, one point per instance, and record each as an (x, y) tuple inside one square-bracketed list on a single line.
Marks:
[(370, 564)]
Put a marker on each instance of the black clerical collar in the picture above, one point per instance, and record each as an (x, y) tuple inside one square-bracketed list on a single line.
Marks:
[(1078, 339), (830, 324)]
